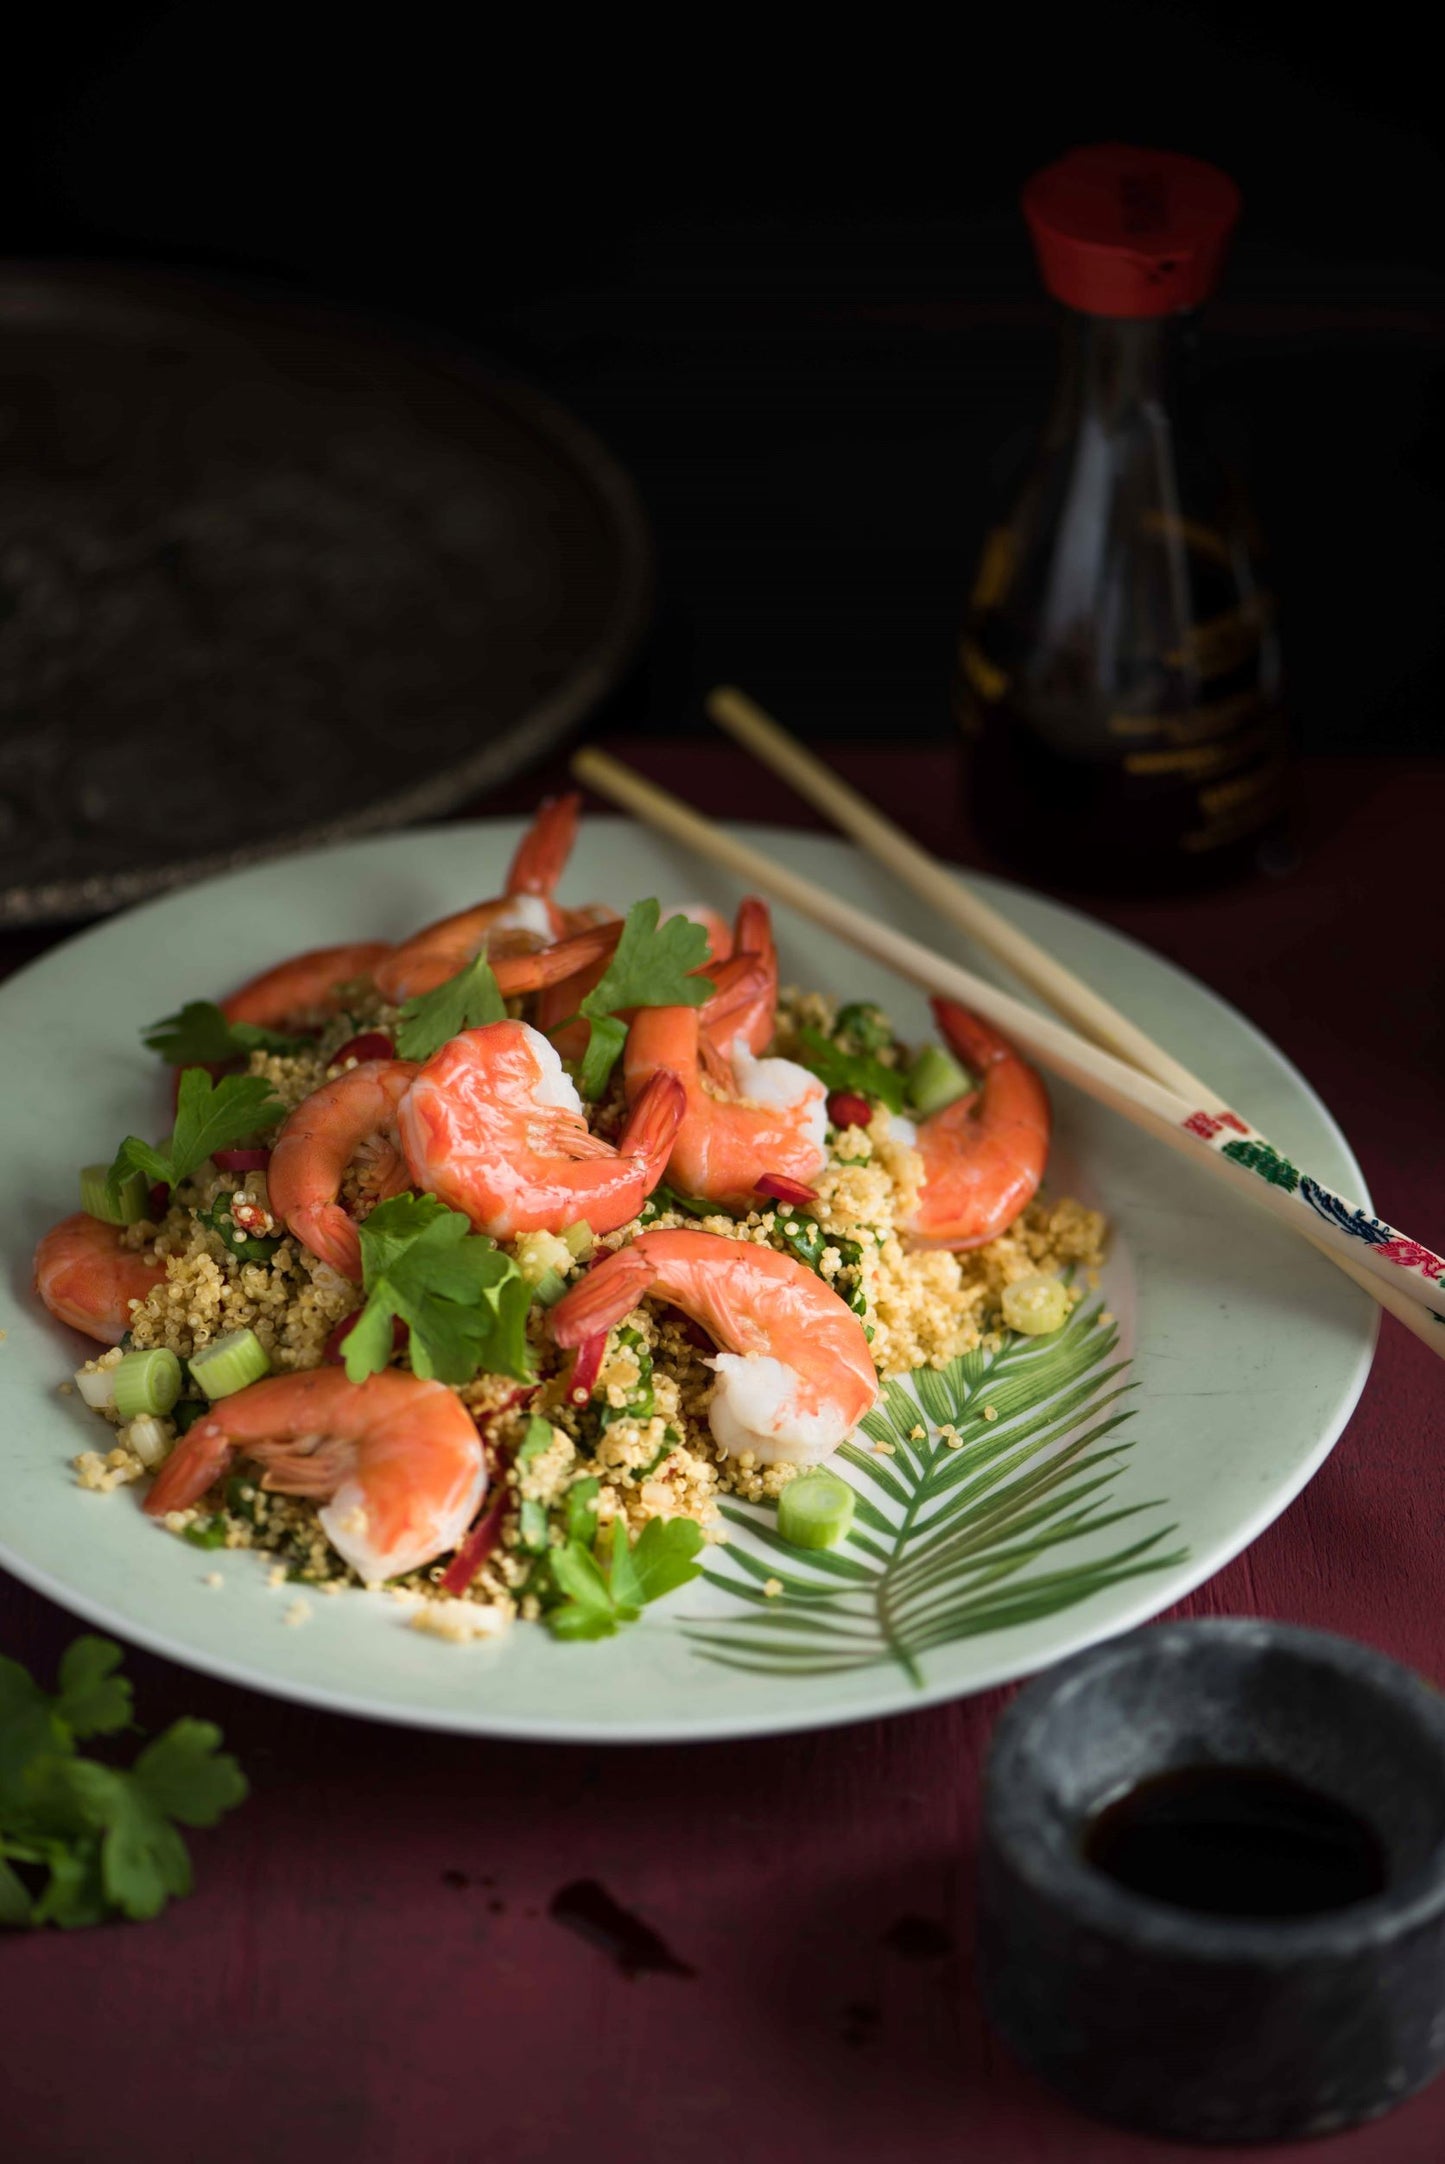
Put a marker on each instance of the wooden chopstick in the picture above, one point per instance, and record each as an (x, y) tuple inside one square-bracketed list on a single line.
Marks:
[(1186, 1128), (1093, 1016)]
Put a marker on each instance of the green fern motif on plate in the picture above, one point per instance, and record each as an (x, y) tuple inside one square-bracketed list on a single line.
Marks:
[(947, 1541)]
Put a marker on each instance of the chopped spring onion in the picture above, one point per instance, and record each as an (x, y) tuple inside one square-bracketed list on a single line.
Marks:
[(935, 1079), (815, 1510), (548, 1289), (1036, 1305), (230, 1364), (97, 1387), (149, 1439), (147, 1382), (134, 1196), (578, 1239)]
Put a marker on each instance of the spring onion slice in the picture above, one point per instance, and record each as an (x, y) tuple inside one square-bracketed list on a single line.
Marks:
[(134, 1196), (548, 1289), (230, 1364), (815, 1510), (147, 1382), (935, 1079)]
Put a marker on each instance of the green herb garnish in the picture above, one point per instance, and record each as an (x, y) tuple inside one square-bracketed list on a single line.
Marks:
[(464, 1301), (664, 1197), (652, 966), (840, 1070), (466, 1001), (200, 1036), (867, 1026), (209, 1116), (602, 1596), (93, 1840), (207, 1533)]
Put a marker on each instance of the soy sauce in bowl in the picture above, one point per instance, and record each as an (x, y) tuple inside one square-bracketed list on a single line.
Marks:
[(1236, 1841)]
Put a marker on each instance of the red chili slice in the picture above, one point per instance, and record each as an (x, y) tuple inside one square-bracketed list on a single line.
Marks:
[(847, 1109), (158, 1201), (776, 1188), (586, 1367), (371, 1044), (240, 1160), (475, 1549)]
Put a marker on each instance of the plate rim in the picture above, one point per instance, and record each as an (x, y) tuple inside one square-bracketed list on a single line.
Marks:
[(883, 1702)]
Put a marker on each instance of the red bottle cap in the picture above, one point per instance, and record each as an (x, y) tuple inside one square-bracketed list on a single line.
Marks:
[(1125, 232)]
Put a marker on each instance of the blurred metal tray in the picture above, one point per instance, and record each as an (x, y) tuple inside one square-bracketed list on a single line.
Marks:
[(270, 577)]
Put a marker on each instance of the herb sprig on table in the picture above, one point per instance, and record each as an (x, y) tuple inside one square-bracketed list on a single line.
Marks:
[(82, 1839)]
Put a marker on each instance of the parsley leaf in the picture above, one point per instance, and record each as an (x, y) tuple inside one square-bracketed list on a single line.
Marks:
[(599, 1601), (199, 1035), (840, 1070), (652, 966), (209, 1116), (464, 1301), (465, 1001), (104, 1836)]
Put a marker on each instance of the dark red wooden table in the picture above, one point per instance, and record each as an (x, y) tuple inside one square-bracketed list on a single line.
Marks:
[(369, 1970)]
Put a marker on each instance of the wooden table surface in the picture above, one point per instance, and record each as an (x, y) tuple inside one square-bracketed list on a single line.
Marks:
[(369, 1970)]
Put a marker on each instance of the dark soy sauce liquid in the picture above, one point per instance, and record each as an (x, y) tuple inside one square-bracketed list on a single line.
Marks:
[(1236, 1841)]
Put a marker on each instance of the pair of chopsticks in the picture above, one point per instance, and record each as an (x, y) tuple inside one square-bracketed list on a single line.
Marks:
[(1104, 1053)]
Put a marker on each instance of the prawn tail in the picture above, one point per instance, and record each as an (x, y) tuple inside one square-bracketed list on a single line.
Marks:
[(737, 984), (544, 849), (608, 1292), (652, 1124), (753, 930), (198, 1461), (975, 1041), (520, 973)]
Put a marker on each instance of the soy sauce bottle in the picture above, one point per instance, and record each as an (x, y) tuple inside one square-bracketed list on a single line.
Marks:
[(1119, 672)]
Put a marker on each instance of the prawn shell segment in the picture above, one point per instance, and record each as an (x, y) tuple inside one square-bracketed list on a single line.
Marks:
[(306, 984)]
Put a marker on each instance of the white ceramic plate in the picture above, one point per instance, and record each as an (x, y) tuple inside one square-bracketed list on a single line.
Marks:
[(1247, 1352)]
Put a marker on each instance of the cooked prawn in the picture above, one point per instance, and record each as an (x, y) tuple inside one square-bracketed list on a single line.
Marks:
[(983, 1155), (794, 1374), (522, 918), (745, 1116), (352, 1118), (397, 1458), (752, 1016), (494, 1127), (306, 985), (88, 1279)]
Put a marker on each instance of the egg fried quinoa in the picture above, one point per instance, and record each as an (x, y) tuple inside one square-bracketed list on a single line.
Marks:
[(588, 1436)]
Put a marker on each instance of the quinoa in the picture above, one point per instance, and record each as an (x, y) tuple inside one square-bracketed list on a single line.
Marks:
[(642, 1448)]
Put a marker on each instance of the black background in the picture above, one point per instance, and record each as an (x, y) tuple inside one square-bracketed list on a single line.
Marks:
[(777, 261)]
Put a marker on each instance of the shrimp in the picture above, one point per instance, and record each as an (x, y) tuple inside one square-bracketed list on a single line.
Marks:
[(354, 1116), (397, 1458), (745, 1117), (305, 985), (558, 1002), (522, 918), (794, 1373), (494, 1127), (88, 1279), (984, 1155)]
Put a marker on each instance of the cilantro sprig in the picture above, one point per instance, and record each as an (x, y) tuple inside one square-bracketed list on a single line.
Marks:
[(652, 965), (840, 1070), (464, 1301), (602, 1596), (81, 1839), (199, 1035), (209, 1116), (466, 1001)]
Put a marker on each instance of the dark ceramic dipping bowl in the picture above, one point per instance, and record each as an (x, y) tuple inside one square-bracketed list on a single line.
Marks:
[(1204, 2027)]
